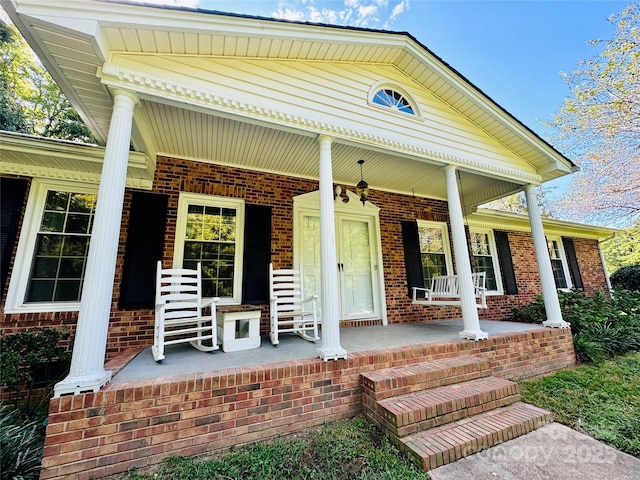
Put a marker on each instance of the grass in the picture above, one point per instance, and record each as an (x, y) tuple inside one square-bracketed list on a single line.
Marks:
[(345, 450), (601, 400)]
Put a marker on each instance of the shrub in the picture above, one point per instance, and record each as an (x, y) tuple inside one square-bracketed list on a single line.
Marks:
[(32, 359), (22, 443), (627, 278), (602, 326)]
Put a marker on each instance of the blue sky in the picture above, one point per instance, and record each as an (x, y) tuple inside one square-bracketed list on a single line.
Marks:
[(513, 50)]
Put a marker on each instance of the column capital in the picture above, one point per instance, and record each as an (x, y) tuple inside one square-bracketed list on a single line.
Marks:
[(449, 168), (322, 138), (122, 93)]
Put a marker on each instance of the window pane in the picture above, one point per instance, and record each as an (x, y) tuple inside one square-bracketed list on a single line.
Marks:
[(480, 244), (40, 291), (52, 222), (77, 223), (49, 245), (67, 291), (433, 264), (82, 203), (431, 240), (45, 267), (57, 201)]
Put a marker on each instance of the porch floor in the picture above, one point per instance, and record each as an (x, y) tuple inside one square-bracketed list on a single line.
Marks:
[(183, 358)]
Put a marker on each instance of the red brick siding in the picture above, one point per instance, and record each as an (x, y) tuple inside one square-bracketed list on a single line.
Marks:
[(138, 424), (590, 265)]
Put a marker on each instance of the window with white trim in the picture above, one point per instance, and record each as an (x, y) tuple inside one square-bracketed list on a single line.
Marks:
[(485, 258), (559, 263), (435, 251), (210, 231), (52, 251)]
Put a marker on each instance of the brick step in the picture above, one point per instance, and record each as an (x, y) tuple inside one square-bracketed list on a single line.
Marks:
[(390, 382), (418, 411), (445, 444)]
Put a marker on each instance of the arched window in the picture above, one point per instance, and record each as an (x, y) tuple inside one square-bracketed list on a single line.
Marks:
[(394, 100)]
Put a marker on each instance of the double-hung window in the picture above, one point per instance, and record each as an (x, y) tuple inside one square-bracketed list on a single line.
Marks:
[(51, 258), (210, 231), (558, 263), (435, 252), (483, 249)]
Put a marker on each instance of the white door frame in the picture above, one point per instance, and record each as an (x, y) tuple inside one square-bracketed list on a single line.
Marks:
[(309, 203)]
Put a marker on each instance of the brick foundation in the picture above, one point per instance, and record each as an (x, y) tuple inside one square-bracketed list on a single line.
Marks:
[(138, 424)]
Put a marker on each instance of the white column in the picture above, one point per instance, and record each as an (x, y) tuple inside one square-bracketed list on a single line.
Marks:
[(87, 362), (549, 290), (463, 263), (330, 348)]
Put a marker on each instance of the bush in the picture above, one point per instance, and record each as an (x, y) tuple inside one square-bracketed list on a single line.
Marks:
[(602, 326), (627, 278), (22, 443), (32, 359)]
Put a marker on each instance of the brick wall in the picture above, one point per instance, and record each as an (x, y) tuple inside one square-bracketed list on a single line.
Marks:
[(137, 424), (133, 328)]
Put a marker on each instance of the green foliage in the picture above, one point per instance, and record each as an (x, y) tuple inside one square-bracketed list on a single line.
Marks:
[(30, 101), (601, 400), (623, 249), (346, 450), (627, 278), (24, 355), (531, 313), (22, 443), (602, 327)]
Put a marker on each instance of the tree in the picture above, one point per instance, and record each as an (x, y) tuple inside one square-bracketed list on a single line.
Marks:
[(623, 250), (599, 126), (30, 101)]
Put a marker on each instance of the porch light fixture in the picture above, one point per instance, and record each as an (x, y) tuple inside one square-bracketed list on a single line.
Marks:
[(362, 188)]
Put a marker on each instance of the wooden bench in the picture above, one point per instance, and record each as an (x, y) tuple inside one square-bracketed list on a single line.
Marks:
[(445, 290)]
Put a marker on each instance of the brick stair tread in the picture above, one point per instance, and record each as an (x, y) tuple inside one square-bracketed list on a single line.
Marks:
[(431, 373), (419, 406), (447, 443)]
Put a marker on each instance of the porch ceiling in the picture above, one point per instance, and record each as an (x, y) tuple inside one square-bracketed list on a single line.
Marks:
[(220, 140), (74, 46)]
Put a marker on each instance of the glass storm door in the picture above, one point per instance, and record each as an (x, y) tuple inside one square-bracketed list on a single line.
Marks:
[(356, 267)]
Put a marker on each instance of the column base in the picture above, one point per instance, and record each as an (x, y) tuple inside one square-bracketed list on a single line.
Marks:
[(473, 335), (334, 353), (75, 385), (556, 324)]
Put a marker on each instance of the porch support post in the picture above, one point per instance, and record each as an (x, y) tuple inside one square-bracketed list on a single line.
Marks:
[(549, 290), (330, 348), (87, 371), (470, 317)]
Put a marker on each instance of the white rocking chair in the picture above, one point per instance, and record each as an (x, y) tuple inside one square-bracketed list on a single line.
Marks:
[(179, 307), (287, 313)]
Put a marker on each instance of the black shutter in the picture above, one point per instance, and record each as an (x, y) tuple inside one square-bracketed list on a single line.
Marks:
[(506, 262), (145, 243), (412, 257), (12, 193), (572, 260), (257, 254)]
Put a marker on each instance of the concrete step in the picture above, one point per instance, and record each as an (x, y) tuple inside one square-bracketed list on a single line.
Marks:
[(394, 381), (447, 443), (407, 414)]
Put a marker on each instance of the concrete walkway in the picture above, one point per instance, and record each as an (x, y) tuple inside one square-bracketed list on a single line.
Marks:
[(551, 452), (183, 358)]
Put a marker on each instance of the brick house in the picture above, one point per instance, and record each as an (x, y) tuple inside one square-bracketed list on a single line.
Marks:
[(260, 125), (264, 122)]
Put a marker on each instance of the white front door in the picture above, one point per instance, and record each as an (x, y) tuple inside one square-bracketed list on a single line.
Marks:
[(358, 255)]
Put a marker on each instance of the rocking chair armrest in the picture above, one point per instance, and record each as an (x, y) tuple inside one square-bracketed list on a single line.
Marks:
[(309, 299)]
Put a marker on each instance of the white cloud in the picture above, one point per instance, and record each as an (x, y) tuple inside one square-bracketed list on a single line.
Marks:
[(289, 14)]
